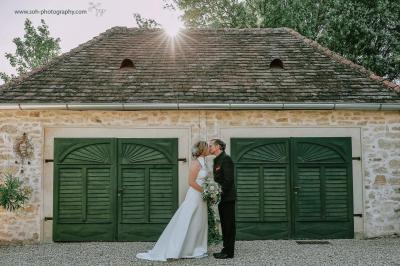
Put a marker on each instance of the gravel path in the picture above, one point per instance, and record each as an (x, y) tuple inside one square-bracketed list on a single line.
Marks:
[(377, 252)]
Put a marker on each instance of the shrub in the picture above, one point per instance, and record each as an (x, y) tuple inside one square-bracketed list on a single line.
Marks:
[(12, 194)]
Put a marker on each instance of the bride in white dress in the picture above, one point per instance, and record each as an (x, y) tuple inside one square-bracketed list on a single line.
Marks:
[(186, 234)]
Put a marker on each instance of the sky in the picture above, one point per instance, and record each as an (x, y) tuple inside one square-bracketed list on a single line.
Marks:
[(75, 29)]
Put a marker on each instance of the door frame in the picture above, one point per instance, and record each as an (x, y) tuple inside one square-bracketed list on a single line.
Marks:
[(226, 133), (183, 134)]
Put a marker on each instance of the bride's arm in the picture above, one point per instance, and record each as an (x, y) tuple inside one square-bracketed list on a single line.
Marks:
[(193, 172)]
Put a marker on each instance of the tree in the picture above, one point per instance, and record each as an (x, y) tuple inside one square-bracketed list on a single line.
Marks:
[(364, 31), (36, 48), (145, 23), (367, 33), (213, 13)]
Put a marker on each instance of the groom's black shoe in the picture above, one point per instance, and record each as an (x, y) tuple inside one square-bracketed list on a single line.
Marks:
[(222, 256)]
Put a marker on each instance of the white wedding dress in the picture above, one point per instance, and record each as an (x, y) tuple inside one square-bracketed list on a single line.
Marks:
[(186, 234)]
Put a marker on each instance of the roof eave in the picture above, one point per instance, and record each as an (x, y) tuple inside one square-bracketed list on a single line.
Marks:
[(202, 106)]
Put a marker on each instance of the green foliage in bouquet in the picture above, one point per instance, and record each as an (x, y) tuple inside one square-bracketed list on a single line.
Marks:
[(214, 236), (12, 195), (212, 195)]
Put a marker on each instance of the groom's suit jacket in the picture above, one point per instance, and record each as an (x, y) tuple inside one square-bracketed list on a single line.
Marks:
[(223, 170)]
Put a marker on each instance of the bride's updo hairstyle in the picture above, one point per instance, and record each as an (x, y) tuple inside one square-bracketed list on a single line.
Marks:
[(199, 148)]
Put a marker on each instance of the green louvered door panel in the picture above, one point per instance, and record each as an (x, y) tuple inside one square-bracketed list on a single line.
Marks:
[(262, 181), (293, 188), (148, 187), (323, 192), (84, 194)]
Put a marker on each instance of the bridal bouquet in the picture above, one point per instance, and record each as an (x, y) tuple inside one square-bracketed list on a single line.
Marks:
[(212, 194), (211, 191)]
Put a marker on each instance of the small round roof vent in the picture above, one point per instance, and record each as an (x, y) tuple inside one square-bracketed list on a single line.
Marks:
[(276, 63), (127, 63)]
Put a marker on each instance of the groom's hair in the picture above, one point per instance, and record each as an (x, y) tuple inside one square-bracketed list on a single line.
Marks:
[(219, 142)]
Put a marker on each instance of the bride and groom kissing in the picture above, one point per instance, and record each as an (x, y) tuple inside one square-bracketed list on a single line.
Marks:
[(185, 236)]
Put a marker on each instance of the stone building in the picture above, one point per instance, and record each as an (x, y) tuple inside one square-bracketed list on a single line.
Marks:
[(315, 138)]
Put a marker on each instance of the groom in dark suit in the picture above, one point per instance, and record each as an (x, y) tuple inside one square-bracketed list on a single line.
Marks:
[(224, 175)]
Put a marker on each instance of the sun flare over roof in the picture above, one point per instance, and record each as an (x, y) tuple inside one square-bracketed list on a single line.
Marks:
[(173, 26)]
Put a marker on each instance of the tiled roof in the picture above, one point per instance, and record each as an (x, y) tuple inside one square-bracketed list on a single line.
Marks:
[(200, 66)]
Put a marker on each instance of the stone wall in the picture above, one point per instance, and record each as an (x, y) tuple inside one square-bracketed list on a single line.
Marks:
[(380, 159)]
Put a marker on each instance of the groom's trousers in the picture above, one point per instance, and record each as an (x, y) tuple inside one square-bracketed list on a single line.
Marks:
[(227, 217)]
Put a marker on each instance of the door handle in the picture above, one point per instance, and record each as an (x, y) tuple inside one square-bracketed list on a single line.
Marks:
[(297, 188)]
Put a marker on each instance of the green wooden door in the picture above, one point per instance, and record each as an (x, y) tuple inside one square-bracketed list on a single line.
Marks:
[(323, 192), (262, 184), (84, 190), (113, 189), (147, 187), (293, 188)]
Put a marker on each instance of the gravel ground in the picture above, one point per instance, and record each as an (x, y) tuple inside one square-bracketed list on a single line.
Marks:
[(377, 252)]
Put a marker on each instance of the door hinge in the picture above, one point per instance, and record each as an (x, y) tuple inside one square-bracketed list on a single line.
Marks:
[(48, 160), (356, 158), (48, 218), (182, 160), (358, 215)]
